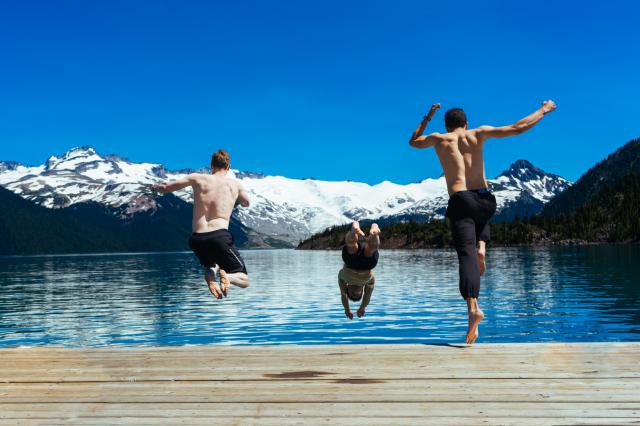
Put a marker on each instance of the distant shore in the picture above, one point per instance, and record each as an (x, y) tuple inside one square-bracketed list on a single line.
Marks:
[(323, 245)]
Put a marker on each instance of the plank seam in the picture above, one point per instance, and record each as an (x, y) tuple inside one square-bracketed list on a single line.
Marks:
[(342, 401), (320, 379)]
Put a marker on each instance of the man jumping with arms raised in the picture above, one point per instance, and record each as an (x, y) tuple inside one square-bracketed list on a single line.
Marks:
[(471, 204), (214, 197)]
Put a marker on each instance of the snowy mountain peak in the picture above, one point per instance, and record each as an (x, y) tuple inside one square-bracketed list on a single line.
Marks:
[(524, 177), (9, 165), (73, 157), (524, 171), (248, 175), (76, 152), (80, 150), (116, 157)]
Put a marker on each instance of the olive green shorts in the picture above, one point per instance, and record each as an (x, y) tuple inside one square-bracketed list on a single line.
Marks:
[(356, 278)]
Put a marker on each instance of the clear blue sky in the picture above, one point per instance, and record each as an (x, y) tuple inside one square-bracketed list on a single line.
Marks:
[(327, 89)]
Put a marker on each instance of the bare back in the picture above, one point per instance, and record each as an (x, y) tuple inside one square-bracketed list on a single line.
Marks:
[(460, 155), (214, 197), (460, 151)]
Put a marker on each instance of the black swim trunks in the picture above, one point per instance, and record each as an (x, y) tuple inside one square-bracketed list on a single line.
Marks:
[(217, 248), (469, 213), (358, 261)]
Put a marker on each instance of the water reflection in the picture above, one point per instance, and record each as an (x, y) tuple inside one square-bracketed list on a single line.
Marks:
[(529, 294)]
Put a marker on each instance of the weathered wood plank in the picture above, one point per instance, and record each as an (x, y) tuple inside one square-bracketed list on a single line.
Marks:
[(198, 350), (367, 390), (124, 376), (353, 361), (306, 421), (334, 410), (406, 371)]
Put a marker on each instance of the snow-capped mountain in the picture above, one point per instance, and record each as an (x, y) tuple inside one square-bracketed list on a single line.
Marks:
[(525, 189), (288, 209)]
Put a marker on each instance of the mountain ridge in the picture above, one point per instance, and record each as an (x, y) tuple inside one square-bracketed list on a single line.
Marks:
[(624, 160), (282, 208)]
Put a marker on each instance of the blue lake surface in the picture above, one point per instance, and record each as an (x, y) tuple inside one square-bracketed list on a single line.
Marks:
[(540, 294)]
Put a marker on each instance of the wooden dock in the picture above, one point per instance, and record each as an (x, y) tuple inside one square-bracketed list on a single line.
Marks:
[(511, 384)]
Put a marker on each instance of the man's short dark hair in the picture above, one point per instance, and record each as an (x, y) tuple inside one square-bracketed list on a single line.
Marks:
[(220, 160), (455, 118), (354, 299)]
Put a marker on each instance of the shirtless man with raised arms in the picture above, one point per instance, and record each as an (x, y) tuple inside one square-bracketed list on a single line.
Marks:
[(214, 198), (471, 204)]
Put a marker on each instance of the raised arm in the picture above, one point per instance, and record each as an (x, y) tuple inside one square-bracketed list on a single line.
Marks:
[(366, 298), (520, 126), (417, 139), (345, 299), (243, 197), (175, 185)]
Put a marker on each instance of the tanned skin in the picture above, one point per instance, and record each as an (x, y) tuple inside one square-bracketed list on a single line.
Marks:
[(461, 157), (214, 198)]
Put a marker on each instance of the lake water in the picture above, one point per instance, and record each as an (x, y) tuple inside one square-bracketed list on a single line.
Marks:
[(528, 294)]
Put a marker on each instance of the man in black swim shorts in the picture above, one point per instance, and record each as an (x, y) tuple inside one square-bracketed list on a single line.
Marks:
[(356, 278), (215, 196), (471, 204)]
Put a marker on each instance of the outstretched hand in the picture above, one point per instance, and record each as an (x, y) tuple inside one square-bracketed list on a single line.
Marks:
[(433, 110), (348, 313), (157, 187), (361, 312), (548, 106)]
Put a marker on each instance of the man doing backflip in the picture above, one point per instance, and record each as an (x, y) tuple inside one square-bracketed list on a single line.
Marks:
[(471, 204), (356, 278)]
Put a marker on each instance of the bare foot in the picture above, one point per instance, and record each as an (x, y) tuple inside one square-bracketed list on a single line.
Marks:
[(474, 319), (481, 262), (213, 286), (224, 282), (356, 229), (375, 230), (471, 339)]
